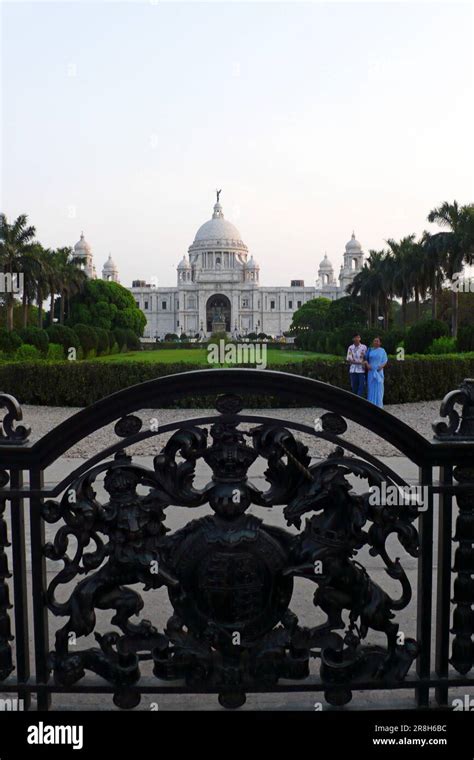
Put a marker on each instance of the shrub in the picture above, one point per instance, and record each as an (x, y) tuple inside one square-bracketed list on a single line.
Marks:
[(9, 341), (27, 353), (392, 340), (465, 339), (55, 352), (183, 336), (444, 345), (421, 335), (66, 337), (33, 336), (88, 338), (171, 336), (102, 341)]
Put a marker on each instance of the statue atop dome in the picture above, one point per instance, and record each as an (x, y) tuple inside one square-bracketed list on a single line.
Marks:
[(218, 192)]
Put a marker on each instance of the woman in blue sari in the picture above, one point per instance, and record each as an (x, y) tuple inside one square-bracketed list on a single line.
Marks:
[(375, 362)]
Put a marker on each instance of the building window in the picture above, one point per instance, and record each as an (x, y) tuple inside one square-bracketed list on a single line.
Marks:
[(299, 304), (146, 304), (245, 303), (290, 304), (272, 304), (163, 305)]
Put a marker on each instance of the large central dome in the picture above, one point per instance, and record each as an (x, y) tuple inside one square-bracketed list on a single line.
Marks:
[(217, 229)]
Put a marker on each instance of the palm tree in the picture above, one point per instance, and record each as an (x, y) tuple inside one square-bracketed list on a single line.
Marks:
[(71, 278), (42, 283), (434, 255), (370, 284), (16, 241), (53, 279), (405, 283), (30, 262), (456, 244)]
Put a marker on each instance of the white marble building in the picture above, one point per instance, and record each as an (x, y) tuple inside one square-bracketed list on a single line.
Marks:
[(218, 280)]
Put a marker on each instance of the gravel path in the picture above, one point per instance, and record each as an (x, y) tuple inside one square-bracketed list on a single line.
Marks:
[(418, 416)]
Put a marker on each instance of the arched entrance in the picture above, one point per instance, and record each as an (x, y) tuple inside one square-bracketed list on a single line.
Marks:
[(218, 310)]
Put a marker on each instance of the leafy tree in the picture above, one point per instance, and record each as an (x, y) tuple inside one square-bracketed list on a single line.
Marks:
[(132, 340), (120, 337), (312, 315), (108, 305), (346, 311)]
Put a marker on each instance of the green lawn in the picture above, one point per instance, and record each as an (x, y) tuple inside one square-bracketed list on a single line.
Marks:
[(199, 356)]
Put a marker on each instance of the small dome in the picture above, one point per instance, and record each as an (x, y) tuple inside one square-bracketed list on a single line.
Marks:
[(110, 264), (184, 263), (252, 264), (82, 245), (325, 264), (353, 245)]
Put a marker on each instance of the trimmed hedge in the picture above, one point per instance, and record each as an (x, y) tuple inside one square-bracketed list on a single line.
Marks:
[(82, 383)]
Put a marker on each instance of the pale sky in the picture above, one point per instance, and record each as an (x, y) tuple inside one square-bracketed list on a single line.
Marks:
[(121, 119)]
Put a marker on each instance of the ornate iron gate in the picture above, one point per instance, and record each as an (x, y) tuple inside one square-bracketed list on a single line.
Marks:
[(229, 575)]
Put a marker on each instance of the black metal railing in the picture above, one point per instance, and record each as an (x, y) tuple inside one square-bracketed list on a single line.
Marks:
[(229, 575)]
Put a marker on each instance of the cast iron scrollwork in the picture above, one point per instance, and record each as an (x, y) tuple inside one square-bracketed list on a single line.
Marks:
[(6, 663), (8, 433), (461, 428), (229, 575)]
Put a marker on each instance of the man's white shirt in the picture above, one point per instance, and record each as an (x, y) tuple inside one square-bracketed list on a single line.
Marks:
[(357, 354)]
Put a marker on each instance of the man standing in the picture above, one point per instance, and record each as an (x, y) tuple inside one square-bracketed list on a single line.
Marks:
[(356, 354)]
